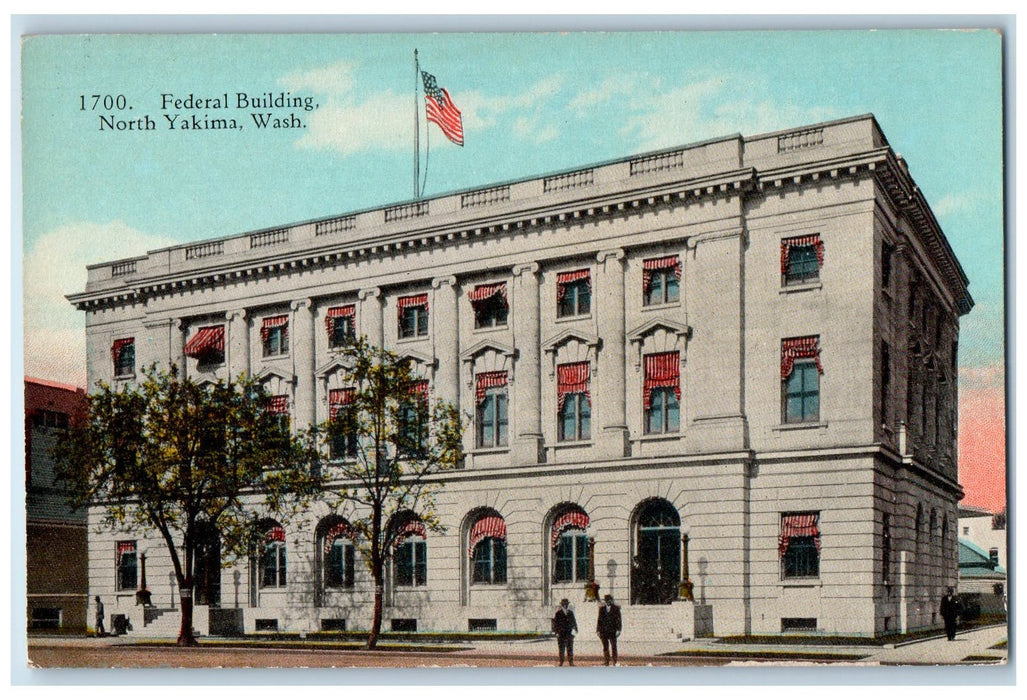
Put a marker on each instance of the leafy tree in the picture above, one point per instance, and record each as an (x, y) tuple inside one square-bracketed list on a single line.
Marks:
[(395, 445), (179, 458)]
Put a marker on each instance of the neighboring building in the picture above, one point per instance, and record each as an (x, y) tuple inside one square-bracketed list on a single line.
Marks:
[(733, 361), (986, 530), (982, 582), (55, 544)]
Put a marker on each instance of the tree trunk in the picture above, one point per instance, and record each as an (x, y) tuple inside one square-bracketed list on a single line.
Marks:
[(185, 633), (376, 620)]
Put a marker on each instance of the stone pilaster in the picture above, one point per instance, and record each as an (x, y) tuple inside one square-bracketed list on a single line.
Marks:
[(301, 347), (238, 356), (527, 447), (370, 316), (177, 347), (608, 387), (717, 281), (446, 338), (157, 347)]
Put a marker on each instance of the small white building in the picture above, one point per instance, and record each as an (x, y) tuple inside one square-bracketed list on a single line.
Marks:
[(732, 362)]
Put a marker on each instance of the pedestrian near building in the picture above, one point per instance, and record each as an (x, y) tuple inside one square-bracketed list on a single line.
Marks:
[(565, 627), (950, 610), (99, 617), (608, 626)]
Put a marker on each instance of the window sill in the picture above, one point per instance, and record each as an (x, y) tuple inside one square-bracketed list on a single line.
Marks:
[(412, 339), (661, 306), (490, 450), (801, 287), (785, 427), (125, 377), (570, 319), (658, 437), (410, 587), (490, 329), (483, 584), (280, 356), (571, 443), (802, 582)]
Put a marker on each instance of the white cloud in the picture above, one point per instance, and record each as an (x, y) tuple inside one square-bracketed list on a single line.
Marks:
[(336, 79), (383, 121), (55, 265), (616, 85), (954, 202)]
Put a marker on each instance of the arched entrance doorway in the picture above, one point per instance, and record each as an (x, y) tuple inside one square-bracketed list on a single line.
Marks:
[(656, 569), (207, 567)]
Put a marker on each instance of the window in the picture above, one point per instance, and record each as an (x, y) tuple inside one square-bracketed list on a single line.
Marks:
[(342, 440), (490, 304), (885, 381), (278, 406), (661, 280), (799, 545), (887, 250), (411, 562), (207, 346), (339, 564), (44, 418), (661, 393), (340, 323), (123, 353), (272, 558), (491, 414), (573, 293), (487, 548), (274, 335), (413, 421), (886, 547), (801, 259), (413, 316), (574, 408), (570, 547), (45, 619), (128, 567), (800, 380)]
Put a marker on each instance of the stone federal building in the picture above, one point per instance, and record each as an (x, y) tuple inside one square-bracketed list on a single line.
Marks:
[(730, 364)]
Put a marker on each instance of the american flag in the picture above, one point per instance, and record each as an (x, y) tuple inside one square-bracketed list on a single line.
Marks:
[(441, 109)]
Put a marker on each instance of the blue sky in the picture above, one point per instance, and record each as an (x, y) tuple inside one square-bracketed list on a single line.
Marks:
[(532, 103)]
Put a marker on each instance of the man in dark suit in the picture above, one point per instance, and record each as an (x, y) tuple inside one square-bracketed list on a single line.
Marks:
[(950, 610), (608, 628), (565, 627)]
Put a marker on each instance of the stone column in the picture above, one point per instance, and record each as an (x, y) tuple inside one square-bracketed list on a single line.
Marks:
[(608, 387), (301, 347), (446, 339), (527, 446), (371, 316), (177, 348), (238, 358)]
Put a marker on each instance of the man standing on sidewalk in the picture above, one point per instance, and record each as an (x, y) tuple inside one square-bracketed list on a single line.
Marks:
[(608, 628), (950, 609), (98, 627), (565, 627)]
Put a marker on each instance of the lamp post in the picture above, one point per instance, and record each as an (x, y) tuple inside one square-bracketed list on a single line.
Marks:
[(592, 587), (142, 595), (685, 587)]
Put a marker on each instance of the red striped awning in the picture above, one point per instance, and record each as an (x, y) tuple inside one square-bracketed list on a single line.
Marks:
[(278, 405), (420, 387), (670, 262), (811, 240), (125, 548), (207, 340), (411, 528), (793, 349), (486, 291), (337, 398), (571, 378), (565, 278), (662, 369), (348, 311), (341, 529), (275, 533), (119, 345), (571, 520), (415, 300), (273, 322), (798, 525), (489, 526), (486, 381)]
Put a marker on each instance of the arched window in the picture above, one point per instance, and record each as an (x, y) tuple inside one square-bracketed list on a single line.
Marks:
[(272, 556), (410, 553), (570, 546), (487, 549), (336, 536)]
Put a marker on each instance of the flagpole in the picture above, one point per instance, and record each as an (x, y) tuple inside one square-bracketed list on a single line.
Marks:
[(417, 131)]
